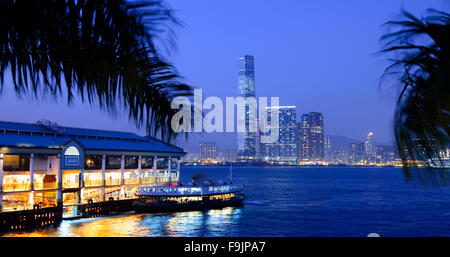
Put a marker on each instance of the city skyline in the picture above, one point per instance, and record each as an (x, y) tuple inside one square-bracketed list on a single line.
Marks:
[(299, 143), (292, 75), (283, 152), (273, 119)]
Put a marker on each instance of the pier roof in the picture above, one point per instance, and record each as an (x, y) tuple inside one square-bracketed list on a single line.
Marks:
[(23, 135)]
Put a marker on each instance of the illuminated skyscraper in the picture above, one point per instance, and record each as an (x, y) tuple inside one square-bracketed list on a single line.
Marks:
[(370, 151), (310, 138), (328, 156), (327, 143), (247, 140), (285, 148)]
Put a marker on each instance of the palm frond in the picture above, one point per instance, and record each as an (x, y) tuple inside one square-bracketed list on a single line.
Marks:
[(422, 64), (104, 51)]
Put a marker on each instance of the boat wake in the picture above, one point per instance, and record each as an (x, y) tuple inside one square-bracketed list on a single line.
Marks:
[(257, 203)]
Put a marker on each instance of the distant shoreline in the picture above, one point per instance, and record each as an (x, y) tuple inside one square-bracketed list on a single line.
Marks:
[(287, 166)]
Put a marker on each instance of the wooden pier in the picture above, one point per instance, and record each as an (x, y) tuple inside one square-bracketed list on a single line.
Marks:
[(27, 219), (52, 216), (112, 207)]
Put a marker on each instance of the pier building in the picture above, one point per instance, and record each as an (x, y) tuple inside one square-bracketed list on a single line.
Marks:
[(44, 165)]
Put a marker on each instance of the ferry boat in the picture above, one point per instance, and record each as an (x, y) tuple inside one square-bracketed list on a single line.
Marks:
[(195, 196)]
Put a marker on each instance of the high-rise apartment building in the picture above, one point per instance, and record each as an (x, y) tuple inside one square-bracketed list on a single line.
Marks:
[(284, 150), (247, 140), (385, 153), (355, 153), (311, 138)]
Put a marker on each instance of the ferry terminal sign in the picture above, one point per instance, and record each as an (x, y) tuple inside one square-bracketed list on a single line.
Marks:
[(72, 156)]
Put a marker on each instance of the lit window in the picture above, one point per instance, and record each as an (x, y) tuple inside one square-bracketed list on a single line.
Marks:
[(72, 151)]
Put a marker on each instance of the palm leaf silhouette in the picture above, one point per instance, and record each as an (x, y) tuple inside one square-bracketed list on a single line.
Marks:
[(421, 62), (103, 51)]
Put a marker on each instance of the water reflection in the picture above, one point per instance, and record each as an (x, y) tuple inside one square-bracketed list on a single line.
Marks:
[(124, 226), (185, 224), (182, 224), (220, 222), (206, 223)]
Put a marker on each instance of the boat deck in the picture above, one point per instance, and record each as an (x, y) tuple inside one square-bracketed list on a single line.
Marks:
[(187, 190)]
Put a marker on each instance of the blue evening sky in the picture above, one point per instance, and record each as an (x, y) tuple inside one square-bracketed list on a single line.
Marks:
[(316, 55)]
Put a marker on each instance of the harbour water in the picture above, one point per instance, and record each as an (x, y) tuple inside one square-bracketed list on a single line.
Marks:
[(291, 201)]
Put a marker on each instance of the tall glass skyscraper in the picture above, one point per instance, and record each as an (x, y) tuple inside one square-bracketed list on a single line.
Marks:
[(310, 137), (247, 140)]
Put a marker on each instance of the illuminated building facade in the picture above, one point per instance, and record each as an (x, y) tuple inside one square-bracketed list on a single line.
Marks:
[(311, 140), (327, 143), (355, 153), (247, 140), (47, 165), (284, 150), (369, 149)]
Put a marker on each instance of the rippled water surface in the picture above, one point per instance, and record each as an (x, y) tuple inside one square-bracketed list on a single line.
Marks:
[(292, 202)]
